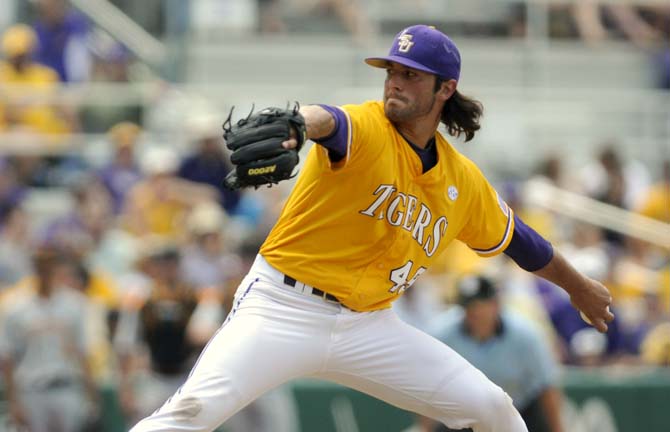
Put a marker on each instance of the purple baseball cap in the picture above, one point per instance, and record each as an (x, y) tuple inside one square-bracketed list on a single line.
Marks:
[(424, 48)]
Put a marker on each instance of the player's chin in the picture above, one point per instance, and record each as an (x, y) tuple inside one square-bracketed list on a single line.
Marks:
[(395, 113)]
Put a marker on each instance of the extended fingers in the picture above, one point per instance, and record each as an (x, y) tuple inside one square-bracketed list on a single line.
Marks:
[(600, 325)]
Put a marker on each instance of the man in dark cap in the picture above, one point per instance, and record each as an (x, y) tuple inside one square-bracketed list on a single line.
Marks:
[(507, 348)]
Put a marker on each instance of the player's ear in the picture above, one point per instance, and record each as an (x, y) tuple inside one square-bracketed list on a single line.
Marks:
[(448, 88)]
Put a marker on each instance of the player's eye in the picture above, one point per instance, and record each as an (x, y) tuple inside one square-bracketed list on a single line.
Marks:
[(410, 74)]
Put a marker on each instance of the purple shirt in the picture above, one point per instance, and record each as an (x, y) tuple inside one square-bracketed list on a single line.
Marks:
[(211, 170), (54, 40), (119, 180), (567, 322)]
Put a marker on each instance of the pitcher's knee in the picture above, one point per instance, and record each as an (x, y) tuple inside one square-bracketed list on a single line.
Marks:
[(470, 402), (497, 413), (500, 402)]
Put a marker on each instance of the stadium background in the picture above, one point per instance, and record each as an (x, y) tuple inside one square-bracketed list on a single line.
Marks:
[(577, 115)]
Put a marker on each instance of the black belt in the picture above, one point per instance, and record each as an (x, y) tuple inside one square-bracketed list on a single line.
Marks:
[(288, 280)]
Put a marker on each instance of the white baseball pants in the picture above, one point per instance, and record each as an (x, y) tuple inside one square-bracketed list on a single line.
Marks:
[(276, 332)]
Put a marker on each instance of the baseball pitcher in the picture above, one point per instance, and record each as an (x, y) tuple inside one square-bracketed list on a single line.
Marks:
[(379, 198)]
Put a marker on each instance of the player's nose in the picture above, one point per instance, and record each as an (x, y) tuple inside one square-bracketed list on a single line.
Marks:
[(393, 83)]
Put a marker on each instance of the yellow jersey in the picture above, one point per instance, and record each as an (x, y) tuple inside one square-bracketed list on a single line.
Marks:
[(151, 210), (657, 202), (35, 115), (365, 228)]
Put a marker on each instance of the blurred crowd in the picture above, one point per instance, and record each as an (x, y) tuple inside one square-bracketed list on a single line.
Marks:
[(119, 268), (646, 26), (590, 19)]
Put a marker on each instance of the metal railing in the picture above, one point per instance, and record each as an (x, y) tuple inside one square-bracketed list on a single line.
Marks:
[(113, 20), (575, 206)]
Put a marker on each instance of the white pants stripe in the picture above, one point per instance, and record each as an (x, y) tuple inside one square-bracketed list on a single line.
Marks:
[(277, 334)]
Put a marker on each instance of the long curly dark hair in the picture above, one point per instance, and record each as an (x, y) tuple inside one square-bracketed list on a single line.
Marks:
[(460, 114)]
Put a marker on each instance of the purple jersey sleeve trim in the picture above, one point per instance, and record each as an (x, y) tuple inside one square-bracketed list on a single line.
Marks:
[(337, 141), (527, 248)]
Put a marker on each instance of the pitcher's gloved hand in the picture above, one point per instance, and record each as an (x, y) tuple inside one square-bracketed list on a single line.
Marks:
[(256, 143)]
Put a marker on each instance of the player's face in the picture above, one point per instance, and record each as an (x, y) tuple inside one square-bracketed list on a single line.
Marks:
[(408, 93)]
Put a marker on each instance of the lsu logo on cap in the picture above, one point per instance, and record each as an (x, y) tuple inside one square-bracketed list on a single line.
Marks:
[(261, 170), (405, 42)]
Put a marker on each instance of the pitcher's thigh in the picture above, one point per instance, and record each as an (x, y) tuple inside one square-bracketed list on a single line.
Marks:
[(244, 360), (399, 364)]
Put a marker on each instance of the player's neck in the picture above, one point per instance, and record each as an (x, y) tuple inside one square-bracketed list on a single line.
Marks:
[(419, 132)]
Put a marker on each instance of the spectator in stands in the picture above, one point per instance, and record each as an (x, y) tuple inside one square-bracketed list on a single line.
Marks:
[(27, 112), (122, 172), (656, 204), (112, 63), (209, 164), (160, 202), (595, 21), (29, 83), (658, 17), (12, 192), (656, 201), (507, 349), (206, 262), (644, 24), (81, 230), (616, 181), (89, 230), (351, 14), (654, 314), (44, 351), (63, 34), (656, 346), (643, 297), (270, 17), (102, 300), (612, 188), (165, 316), (15, 245), (551, 169), (663, 67)]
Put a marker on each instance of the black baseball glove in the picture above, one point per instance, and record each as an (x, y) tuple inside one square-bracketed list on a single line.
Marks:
[(256, 142)]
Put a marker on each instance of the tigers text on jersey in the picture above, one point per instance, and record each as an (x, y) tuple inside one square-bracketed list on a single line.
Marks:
[(365, 228)]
